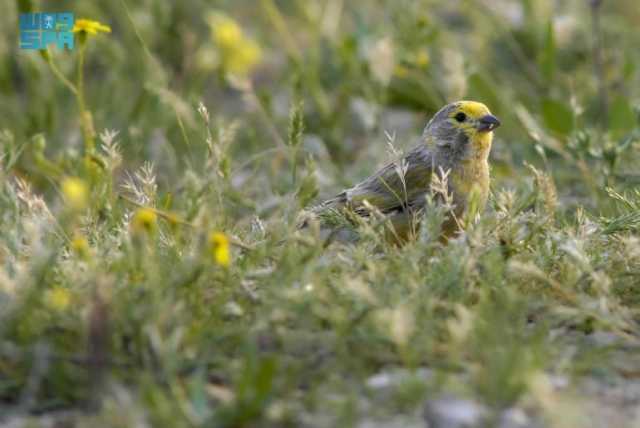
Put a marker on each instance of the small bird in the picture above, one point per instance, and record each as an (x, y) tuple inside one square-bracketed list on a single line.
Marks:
[(454, 148)]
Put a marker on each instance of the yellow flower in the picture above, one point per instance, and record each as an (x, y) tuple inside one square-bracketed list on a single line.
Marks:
[(89, 26), (226, 32), (239, 54), (400, 71), (58, 298), (243, 58), (172, 219), (144, 220), (219, 245), (76, 193), (80, 246), (422, 59)]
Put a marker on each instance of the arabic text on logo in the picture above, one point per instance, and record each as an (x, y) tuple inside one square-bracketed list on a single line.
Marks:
[(39, 30)]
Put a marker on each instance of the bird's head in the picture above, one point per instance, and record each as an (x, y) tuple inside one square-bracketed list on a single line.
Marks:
[(462, 127)]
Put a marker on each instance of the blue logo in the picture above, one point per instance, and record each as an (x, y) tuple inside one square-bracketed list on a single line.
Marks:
[(39, 30)]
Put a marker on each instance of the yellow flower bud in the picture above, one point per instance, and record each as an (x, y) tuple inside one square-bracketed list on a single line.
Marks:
[(80, 246), (226, 32), (243, 58), (238, 54), (400, 71), (144, 220), (219, 246), (422, 59), (76, 193), (58, 298), (172, 219)]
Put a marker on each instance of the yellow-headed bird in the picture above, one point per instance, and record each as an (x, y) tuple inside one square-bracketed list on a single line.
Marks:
[(455, 143)]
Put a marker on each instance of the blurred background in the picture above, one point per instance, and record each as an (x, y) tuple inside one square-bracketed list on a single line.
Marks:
[(562, 76)]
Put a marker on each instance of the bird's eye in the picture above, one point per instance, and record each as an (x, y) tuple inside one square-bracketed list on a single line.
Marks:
[(460, 117)]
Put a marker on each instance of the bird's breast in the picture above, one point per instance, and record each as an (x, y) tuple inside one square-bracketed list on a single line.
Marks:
[(470, 177), (481, 145)]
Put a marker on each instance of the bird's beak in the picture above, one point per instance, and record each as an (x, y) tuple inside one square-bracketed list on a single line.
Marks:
[(487, 123)]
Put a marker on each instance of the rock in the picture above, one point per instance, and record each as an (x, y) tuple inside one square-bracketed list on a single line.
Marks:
[(394, 378), (515, 418), (451, 412)]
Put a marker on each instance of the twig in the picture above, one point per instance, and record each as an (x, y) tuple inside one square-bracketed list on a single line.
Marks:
[(56, 71)]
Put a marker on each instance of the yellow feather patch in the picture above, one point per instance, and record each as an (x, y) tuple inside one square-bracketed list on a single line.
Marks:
[(482, 143), (473, 109)]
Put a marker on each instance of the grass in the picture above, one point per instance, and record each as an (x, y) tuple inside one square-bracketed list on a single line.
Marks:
[(117, 307)]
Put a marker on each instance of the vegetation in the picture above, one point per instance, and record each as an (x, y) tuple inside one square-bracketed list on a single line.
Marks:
[(151, 181)]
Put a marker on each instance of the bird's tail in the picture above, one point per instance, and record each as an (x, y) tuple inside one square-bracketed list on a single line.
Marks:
[(323, 209), (337, 202), (330, 218)]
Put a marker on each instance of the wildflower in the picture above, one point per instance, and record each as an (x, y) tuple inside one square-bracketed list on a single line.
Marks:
[(172, 219), (58, 298), (219, 245), (80, 246), (422, 59), (244, 58), (88, 26), (144, 220), (239, 54), (76, 193), (226, 32), (400, 71)]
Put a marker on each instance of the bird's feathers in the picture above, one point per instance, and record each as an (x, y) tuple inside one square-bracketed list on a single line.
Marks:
[(396, 186), (453, 141)]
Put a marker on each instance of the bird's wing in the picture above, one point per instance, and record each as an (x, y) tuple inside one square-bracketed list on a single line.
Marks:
[(396, 186)]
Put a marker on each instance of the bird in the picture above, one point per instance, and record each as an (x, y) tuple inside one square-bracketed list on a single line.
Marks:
[(453, 149)]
